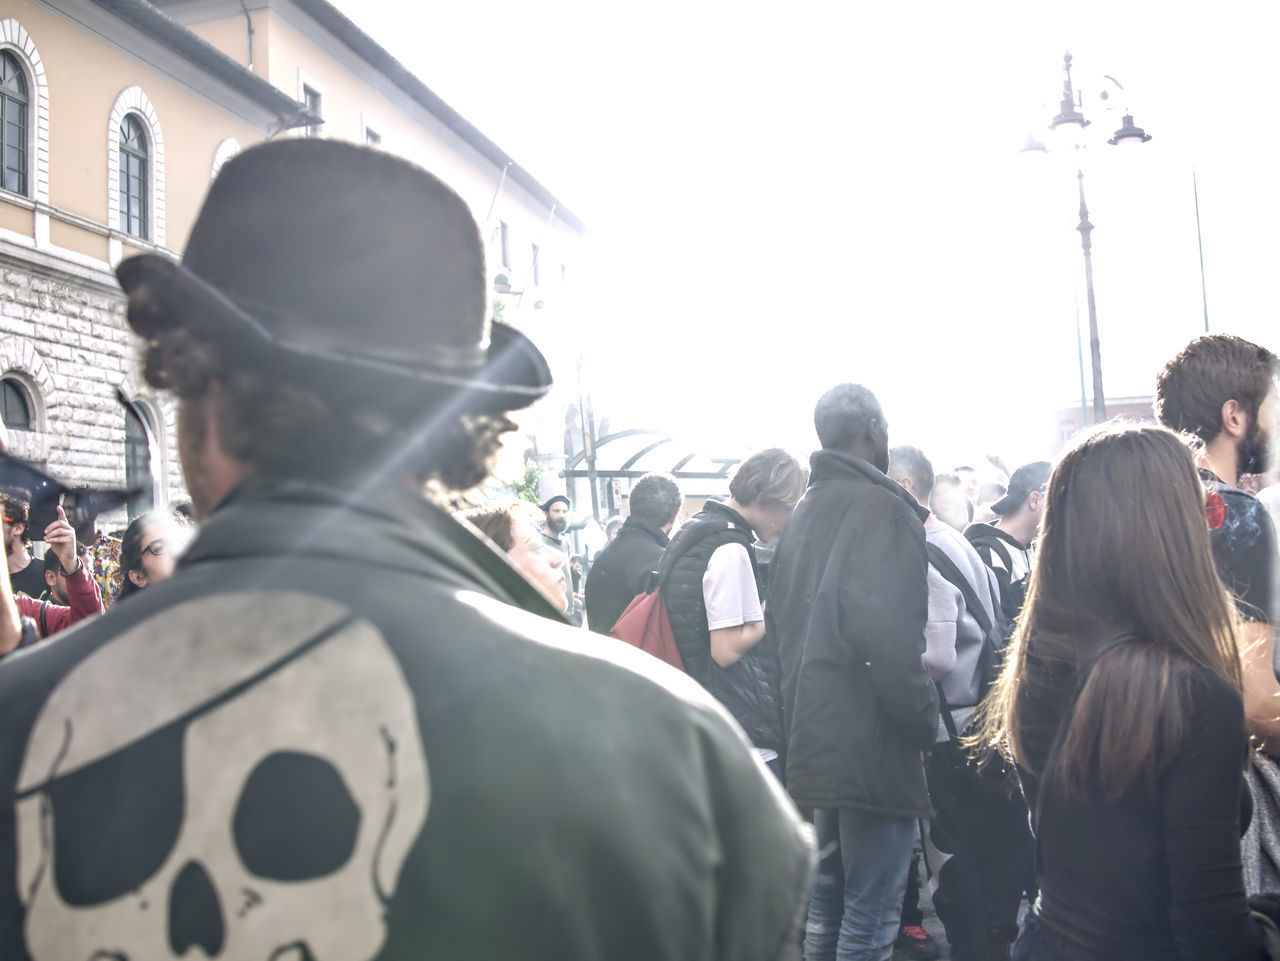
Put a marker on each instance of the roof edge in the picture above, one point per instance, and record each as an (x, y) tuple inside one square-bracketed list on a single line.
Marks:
[(155, 23), (333, 20)]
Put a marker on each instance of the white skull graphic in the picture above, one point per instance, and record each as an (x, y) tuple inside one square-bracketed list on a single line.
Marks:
[(250, 789)]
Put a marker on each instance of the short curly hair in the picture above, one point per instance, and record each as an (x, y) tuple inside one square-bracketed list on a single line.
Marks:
[(656, 498), (328, 428), (1204, 375)]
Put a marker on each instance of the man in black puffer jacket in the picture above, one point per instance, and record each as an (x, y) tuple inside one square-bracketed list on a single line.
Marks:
[(622, 569), (712, 594), (848, 605)]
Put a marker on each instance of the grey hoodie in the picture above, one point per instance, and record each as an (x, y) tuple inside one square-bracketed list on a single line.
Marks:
[(953, 639)]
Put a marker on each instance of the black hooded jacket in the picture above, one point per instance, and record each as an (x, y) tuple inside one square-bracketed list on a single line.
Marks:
[(621, 571), (336, 706), (848, 604)]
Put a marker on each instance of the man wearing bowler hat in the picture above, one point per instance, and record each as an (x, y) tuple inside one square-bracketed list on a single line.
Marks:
[(334, 733)]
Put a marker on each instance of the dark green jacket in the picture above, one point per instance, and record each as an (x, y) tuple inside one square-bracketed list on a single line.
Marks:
[(333, 729)]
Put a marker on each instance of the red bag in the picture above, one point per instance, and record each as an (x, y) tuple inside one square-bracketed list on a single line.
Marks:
[(646, 625)]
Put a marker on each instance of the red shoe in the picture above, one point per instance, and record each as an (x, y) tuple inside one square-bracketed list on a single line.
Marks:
[(915, 944)]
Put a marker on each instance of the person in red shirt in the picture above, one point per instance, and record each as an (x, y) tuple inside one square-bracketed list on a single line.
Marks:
[(71, 580)]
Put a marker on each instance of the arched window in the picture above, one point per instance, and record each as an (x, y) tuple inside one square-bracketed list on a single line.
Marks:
[(14, 101), (134, 154), (137, 464), (14, 408)]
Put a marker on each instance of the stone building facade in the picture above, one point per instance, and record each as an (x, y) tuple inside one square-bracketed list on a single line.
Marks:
[(115, 115)]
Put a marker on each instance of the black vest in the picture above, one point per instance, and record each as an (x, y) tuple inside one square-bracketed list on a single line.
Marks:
[(751, 688)]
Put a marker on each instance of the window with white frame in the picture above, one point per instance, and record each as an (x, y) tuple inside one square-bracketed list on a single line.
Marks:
[(135, 168), (135, 162), (313, 99), (15, 101), (24, 114)]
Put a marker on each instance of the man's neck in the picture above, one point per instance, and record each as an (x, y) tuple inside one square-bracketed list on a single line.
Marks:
[(1016, 528), (550, 532), (18, 558), (1219, 456)]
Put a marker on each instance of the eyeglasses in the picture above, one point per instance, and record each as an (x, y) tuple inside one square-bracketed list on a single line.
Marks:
[(157, 548)]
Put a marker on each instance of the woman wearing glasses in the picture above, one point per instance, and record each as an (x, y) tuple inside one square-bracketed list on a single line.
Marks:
[(149, 550)]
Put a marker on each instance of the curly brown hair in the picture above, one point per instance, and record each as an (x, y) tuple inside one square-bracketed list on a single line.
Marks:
[(285, 420)]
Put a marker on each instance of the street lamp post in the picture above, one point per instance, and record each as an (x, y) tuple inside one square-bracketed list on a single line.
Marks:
[(1095, 345), (1070, 115)]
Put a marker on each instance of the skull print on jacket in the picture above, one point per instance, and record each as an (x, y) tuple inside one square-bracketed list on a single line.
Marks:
[(289, 849)]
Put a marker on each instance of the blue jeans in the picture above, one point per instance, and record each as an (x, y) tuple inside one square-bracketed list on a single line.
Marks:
[(857, 894)]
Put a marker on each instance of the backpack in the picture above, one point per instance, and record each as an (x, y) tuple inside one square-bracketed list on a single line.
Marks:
[(995, 633), (1015, 595), (645, 623)]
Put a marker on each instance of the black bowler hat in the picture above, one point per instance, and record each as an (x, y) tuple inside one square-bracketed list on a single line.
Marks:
[(336, 263), (558, 498)]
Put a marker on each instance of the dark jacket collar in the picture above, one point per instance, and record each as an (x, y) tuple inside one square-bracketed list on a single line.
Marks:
[(833, 464), (720, 511), (642, 528), (383, 526), (980, 529)]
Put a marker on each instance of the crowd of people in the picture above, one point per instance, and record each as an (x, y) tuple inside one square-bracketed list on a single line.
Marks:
[(347, 721)]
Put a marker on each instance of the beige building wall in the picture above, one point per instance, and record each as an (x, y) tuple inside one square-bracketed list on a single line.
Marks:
[(192, 126), (63, 337), (290, 49)]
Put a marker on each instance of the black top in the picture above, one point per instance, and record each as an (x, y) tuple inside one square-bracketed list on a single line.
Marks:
[(1244, 546), (29, 580), (1157, 877), (621, 571)]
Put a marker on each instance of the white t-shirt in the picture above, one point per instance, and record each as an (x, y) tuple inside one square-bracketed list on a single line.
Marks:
[(729, 588), (729, 591)]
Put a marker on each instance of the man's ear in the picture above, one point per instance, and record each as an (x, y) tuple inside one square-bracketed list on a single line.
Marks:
[(50, 578), (1235, 420), (139, 578), (19, 529), (1035, 500)]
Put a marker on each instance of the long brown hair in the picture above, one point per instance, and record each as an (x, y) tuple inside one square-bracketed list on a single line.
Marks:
[(1123, 548)]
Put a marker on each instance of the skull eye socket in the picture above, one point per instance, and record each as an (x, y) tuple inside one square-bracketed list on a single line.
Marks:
[(116, 820), (295, 819)]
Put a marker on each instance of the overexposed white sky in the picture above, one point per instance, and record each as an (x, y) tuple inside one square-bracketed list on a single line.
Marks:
[(784, 198)]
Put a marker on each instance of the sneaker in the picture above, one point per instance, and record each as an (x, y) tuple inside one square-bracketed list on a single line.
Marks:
[(915, 944)]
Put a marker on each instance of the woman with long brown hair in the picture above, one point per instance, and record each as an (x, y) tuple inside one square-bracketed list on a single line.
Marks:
[(1120, 703)]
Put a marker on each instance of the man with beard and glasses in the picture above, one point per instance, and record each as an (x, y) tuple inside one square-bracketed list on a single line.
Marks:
[(555, 511), (1222, 390)]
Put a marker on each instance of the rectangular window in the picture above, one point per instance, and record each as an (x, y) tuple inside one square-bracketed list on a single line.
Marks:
[(13, 135), (536, 281), (372, 137), (315, 103), (504, 241)]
